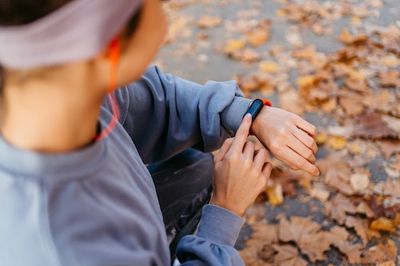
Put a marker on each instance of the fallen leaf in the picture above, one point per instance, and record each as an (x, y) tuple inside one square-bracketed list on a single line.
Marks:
[(380, 253), (321, 138), (234, 45), (275, 194), (338, 208), (360, 226), (352, 104), (269, 66), (390, 61), (257, 37), (288, 255), (390, 79), (389, 147), (307, 235), (208, 22), (383, 224), (319, 193), (246, 55), (359, 181), (336, 142), (371, 126), (289, 100)]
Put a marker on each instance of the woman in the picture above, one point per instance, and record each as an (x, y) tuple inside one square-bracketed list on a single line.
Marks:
[(74, 188)]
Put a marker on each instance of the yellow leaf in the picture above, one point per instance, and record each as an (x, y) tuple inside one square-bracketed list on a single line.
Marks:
[(321, 138), (269, 66), (336, 142), (355, 148), (345, 36), (275, 195), (383, 224), (234, 45), (208, 22), (280, 13), (356, 21), (305, 81), (390, 61), (257, 37)]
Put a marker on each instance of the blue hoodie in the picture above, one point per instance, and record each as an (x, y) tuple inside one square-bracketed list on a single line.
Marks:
[(98, 205)]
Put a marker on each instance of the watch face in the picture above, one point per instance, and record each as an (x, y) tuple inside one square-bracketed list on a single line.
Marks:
[(255, 108)]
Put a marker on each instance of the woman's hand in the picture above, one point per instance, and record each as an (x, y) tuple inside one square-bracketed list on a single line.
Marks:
[(288, 137), (241, 174)]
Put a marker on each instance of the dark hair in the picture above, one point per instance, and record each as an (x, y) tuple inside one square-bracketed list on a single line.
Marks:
[(19, 12)]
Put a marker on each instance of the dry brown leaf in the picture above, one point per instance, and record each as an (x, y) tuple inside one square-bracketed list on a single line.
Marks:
[(383, 100), (371, 126), (257, 37), (246, 55), (390, 79), (391, 60), (289, 100), (307, 53), (360, 226), (349, 39), (209, 22), (359, 181), (248, 83), (339, 237), (338, 177), (338, 208), (307, 235), (288, 255), (381, 253), (389, 147), (363, 208), (352, 104), (178, 28), (319, 193), (269, 66), (297, 228)]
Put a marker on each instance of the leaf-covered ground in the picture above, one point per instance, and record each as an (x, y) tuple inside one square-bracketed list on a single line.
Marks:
[(337, 63)]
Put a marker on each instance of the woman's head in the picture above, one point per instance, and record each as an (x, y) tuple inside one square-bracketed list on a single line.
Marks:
[(142, 31)]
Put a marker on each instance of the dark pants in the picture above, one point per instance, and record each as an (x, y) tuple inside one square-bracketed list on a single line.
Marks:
[(183, 185)]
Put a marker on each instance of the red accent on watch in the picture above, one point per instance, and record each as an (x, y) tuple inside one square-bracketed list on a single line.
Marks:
[(267, 102)]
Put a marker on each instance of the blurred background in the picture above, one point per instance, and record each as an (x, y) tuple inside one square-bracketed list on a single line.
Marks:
[(336, 63)]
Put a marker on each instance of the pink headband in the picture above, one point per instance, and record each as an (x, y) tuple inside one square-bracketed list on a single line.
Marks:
[(77, 31)]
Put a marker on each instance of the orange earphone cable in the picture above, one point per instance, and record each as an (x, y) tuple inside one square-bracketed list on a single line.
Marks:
[(114, 57)]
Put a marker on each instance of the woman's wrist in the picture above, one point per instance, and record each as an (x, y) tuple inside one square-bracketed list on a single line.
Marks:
[(224, 204)]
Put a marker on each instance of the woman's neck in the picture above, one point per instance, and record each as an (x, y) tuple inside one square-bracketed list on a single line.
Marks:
[(53, 116)]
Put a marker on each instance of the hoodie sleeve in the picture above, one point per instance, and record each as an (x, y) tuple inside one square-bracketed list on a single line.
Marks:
[(165, 114), (213, 243)]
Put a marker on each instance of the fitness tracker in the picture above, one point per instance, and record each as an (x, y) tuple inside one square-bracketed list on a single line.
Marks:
[(256, 106)]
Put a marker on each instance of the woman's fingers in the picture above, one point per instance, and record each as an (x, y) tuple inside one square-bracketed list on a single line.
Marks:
[(299, 162), (266, 173), (260, 159), (223, 150), (267, 168), (248, 152), (304, 125), (241, 135), (305, 139), (301, 149)]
